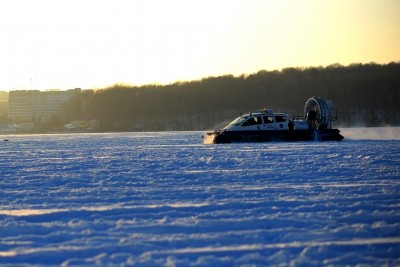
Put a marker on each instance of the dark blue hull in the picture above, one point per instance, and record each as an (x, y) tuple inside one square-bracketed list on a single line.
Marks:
[(220, 137)]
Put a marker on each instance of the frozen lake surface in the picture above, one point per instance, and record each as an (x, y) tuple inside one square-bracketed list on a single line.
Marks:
[(166, 199)]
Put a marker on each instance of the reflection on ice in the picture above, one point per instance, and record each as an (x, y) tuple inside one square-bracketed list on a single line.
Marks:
[(33, 212), (28, 212)]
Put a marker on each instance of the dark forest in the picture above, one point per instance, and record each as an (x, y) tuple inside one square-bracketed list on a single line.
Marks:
[(362, 94)]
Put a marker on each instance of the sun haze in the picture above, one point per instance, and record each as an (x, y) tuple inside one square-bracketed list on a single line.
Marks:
[(73, 43)]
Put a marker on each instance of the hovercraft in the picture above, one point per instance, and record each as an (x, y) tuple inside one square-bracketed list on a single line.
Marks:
[(268, 126)]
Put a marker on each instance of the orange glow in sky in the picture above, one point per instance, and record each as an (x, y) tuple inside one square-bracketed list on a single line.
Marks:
[(92, 44)]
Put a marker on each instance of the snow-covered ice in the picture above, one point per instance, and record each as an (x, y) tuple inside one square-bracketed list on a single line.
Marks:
[(166, 199)]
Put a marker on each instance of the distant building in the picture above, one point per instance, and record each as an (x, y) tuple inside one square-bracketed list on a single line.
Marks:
[(35, 105)]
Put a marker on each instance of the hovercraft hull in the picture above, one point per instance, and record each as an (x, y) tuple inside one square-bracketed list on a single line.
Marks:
[(220, 137)]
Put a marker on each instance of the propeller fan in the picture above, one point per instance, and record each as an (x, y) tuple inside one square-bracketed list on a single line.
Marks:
[(318, 113)]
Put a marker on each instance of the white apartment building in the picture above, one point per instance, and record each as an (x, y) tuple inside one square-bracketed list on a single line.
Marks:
[(35, 105)]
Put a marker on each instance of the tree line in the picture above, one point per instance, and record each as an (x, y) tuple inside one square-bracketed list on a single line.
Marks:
[(363, 94)]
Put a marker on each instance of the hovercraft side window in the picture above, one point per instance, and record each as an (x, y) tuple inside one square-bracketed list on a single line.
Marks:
[(280, 118), (268, 119), (252, 121)]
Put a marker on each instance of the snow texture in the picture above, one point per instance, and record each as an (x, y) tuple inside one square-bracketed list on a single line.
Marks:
[(167, 199)]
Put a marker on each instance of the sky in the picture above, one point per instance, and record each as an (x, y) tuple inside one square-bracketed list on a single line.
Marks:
[(63, 44)]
